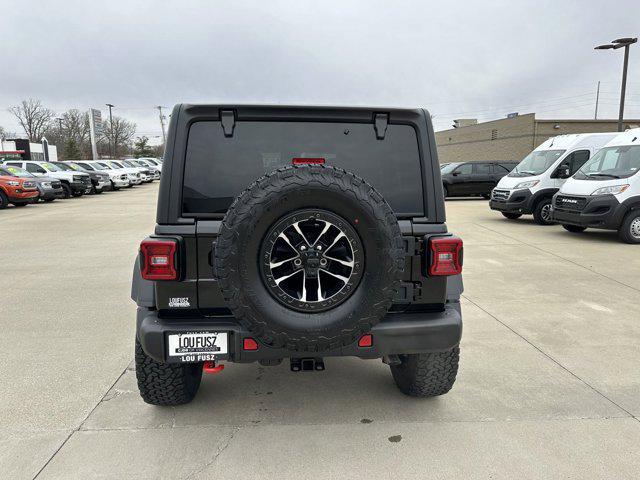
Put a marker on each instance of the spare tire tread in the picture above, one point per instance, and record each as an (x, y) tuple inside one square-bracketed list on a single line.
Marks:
[(254, 201)]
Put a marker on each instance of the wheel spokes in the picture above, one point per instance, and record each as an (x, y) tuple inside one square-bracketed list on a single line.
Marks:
[(302, 243)]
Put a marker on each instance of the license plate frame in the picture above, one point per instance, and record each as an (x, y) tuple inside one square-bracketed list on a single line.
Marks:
[(197, 346)]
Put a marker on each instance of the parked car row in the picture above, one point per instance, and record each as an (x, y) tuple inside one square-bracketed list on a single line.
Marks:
[(28, 181), (463, 179), (580, 181)]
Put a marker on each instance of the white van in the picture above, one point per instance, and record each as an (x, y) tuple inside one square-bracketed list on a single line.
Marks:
[(529, 188), (605, 191)]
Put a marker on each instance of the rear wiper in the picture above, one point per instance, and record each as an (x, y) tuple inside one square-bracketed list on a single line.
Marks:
[(608, 175)]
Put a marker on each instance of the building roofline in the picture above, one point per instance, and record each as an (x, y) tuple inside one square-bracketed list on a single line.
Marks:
[(587, 120)]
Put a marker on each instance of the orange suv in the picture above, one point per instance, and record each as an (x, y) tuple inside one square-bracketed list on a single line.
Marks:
[(18, 191)]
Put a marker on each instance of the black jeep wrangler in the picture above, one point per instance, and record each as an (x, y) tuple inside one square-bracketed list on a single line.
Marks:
[(297, 233)]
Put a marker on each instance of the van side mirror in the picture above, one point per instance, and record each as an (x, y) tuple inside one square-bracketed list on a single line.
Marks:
[(562, 171)]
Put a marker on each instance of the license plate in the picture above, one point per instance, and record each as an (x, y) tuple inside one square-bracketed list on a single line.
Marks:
[(197, 346)]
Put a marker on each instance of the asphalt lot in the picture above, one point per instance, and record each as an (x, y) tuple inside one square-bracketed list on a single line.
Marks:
[(549, 382)]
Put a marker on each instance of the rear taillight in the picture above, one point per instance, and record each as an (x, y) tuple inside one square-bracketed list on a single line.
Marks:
[(158, 260), (445, 256), (308, 161)]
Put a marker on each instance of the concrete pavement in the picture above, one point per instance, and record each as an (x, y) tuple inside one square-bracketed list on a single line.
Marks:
[(549, 384)]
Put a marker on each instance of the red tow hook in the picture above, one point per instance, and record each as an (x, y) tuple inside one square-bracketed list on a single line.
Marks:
[(211, 367)]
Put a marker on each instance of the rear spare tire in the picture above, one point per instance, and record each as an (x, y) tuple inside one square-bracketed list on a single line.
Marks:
[(309, 258)]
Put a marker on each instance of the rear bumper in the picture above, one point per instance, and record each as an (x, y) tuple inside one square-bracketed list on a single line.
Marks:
[(398, 333), (518, 201), (599, 211)]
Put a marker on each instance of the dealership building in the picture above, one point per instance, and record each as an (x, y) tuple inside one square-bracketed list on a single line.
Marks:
[(22, 149), (510, 138)]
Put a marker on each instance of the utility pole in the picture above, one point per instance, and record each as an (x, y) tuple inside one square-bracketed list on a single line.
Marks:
[(110, 129), (595, 117), (164, 136), (615, 44)]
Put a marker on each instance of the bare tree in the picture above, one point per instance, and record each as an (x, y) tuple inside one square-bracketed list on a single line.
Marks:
[(119, 132), (3, 132), (33, 117)]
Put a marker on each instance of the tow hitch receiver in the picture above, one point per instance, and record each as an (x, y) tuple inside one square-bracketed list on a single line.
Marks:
[(211, 367), (307, 364)]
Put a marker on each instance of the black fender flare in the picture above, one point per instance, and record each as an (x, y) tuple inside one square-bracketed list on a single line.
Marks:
[(142, 291), (630, 204), (539, 195)]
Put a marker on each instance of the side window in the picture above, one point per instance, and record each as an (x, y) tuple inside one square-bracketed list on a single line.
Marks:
[(577, 159), (465, 169), (500, 169), (33, 168), (482, 168), (14, 164)]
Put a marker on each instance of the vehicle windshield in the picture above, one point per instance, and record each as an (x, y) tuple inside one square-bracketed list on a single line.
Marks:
[(51, 167), (114, 165), (536, 162), (448, 168), (129, 164), (611, 162), (102, 166), (85, 167), (17, 172), (64, 166)]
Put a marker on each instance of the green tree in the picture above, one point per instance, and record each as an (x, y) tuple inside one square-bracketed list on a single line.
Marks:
[(71, 150), (141, 148)]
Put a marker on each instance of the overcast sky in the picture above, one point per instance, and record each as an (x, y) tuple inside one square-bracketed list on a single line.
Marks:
[(480, 59)]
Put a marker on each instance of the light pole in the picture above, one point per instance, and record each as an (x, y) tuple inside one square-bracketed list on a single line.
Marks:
[(110, 128), (615, 44)]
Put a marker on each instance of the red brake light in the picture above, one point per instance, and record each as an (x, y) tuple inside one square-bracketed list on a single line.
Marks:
[(365, 341), (308, 161), (159, 259), (445, 256), (249, 344)]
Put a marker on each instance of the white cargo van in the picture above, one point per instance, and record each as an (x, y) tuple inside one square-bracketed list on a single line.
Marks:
[(605, 191), (529, 188)]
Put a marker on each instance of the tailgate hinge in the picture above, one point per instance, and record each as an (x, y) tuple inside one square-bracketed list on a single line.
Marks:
[(228, 120), (380, 122)]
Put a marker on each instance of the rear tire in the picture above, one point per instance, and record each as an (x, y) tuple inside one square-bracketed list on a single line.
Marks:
[(67, 190), (574, 228), (77, 194), (49, 200), (511, 216), (4, 201), (630, 229), (166, 384), (426, 374), (542, 212)]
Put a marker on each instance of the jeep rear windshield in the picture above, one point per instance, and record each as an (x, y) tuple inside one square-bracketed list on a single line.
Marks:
[(218, 168)]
